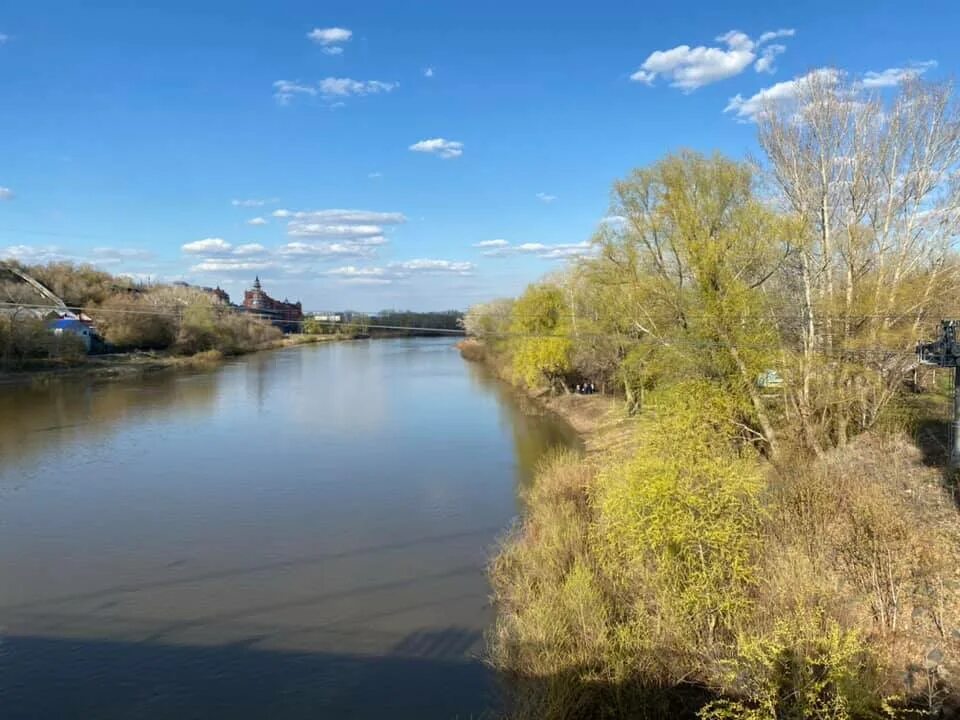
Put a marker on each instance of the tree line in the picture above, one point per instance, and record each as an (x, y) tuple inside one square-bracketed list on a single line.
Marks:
[(755, 556), (826, 263), (128, 316)]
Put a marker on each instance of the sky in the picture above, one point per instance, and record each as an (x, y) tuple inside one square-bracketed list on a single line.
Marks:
[(380, 154)]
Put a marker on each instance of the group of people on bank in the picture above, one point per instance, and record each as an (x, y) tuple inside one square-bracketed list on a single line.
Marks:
[(585, 389)]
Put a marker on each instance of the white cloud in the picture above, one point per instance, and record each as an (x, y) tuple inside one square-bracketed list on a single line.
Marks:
[(301, 229), (546, 197), (428, 72), (249, 249), (257, 221), (252, 202), (768, 56), (400, 271), (101, 256), (425, 265), (545, 251), (689, 68), (33, 254), (356, 232), (776, 34), (213, 246), (6, 193), (328, 250), (746, 109), (359, 217), (4, 39), (121, 254), (446, 149), (230, 265), (361, 276), (285, 90), (498, 243), (895, 76), (613, 220), (375, 175), (331, 88), (330, 38), (342, 87)]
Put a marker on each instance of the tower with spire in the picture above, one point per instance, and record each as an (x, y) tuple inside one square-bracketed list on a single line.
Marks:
[(285, 315)]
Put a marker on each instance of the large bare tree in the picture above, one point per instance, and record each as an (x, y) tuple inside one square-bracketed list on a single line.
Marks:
[(875, 185)]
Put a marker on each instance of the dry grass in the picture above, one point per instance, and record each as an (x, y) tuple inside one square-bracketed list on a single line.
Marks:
[(857, 574)]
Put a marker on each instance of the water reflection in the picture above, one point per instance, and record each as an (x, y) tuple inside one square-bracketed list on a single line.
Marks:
[(327, 511), (534, 429), (35, 417)]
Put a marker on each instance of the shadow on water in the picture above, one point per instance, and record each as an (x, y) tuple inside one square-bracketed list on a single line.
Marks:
[(423, 676)]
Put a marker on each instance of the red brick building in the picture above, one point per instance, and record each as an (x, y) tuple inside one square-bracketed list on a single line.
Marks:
[(285, 315)]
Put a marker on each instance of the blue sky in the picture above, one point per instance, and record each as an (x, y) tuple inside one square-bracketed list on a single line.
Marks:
[(382, 142)]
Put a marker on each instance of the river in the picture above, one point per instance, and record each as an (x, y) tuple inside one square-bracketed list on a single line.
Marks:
[(296, 534)]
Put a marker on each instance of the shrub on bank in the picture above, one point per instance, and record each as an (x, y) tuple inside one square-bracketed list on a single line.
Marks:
[(206, 327), (27, 339), (135, 322), (690, 581)]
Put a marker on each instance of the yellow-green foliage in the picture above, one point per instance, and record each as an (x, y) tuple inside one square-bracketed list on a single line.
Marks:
[(540, 344), (683, 516), (207, 327), (807, 668)]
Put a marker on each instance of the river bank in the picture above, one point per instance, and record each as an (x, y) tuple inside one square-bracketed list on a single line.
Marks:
[(599, 420), (645, 574), (132, 364)]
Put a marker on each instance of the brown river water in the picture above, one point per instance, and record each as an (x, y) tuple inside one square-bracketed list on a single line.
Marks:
[(296, 534)]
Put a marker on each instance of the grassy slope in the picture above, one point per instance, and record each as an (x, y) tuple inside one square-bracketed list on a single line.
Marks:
[(856, 572)]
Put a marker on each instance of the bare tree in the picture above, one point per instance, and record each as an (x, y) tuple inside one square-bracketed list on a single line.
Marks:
[(875, 186)]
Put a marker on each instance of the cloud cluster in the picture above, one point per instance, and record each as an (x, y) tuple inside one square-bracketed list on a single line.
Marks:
[(343, 87), (400, 271), (336, 232), (689, 68), (561, 251), (6, 193), (331, 39), (212, 245), (546, 197), (101, 256), (218, 255), (446, 149), (109, 255), (330, 89), (31, 254), (747, 109), (285, 90), (498, 243), (257, 221), (252, 202), (891, 77)]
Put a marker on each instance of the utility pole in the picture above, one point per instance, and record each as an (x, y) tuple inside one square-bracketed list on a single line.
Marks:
[(945, 353)]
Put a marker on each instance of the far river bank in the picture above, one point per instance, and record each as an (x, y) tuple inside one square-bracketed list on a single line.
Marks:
[(141, 362)]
